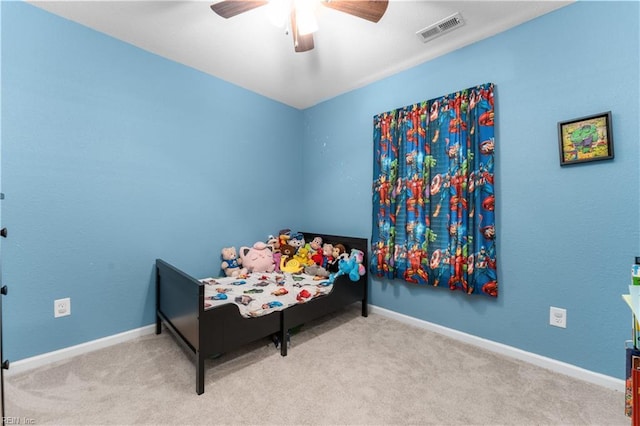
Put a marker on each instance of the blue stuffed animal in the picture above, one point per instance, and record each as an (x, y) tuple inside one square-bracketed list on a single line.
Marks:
[(352, 266)]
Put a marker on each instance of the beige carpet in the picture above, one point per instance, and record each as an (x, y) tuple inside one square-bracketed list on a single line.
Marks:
[(342, 370)]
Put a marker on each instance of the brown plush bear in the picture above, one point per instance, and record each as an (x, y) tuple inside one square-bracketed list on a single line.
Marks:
[(231, 264), (287, 262)]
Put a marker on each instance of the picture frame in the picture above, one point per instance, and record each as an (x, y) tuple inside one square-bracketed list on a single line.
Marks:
[(585, 139)]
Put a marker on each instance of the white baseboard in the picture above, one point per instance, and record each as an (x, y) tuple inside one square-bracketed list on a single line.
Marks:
[(541, 361), (83, 348)]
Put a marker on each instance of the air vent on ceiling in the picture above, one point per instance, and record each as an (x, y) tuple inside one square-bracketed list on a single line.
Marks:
[(444, 26)]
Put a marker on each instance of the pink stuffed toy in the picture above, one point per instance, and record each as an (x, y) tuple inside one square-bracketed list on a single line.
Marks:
[(258, 258)]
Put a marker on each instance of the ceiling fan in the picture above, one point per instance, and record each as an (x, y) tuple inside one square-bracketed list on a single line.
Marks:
[(300, 14)]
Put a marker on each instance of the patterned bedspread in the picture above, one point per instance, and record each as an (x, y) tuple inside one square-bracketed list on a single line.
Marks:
[(261, 293)]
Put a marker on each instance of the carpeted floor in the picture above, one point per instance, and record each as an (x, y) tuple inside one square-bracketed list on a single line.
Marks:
[(343, 370)]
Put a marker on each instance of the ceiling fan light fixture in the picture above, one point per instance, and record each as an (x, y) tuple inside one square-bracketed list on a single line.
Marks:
[(278, 12), (305, 16), (301, 14)]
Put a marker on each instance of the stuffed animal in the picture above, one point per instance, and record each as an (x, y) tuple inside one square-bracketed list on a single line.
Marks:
[(287, 262), (317, 258), (292, 266), (353, 265), (276, 260), (231, 265), (316, 270), (297, 240), (314, 246), (283, 237), (302, 256), (339, 252), (327, 254), (258, 258), (274, 243), (287, 252)]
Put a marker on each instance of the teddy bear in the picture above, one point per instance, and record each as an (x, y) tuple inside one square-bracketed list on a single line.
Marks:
[(231, 265), (287, 261)]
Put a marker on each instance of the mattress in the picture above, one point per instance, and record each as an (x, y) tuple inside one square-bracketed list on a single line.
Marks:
[(260, 293)]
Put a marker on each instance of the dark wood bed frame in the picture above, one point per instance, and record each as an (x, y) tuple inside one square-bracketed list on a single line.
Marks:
[(180, 307)]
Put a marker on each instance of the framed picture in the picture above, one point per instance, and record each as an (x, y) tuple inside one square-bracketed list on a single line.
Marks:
[(585, 139)]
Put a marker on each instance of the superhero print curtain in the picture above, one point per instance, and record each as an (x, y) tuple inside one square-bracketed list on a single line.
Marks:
[(433, 198)]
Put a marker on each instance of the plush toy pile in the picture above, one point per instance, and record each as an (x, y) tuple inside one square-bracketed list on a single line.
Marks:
[(289, 252)]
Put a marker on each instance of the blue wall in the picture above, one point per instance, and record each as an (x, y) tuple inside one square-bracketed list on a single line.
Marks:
[(566, 236), (112, 156)]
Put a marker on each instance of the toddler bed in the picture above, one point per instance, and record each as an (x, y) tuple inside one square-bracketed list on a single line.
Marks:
[(207, 324)]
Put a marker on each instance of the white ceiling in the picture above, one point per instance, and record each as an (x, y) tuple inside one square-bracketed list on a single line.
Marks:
[(249, 51)]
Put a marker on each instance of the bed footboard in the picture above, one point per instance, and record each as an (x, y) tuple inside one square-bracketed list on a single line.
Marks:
[(179, 300), (179, 305)]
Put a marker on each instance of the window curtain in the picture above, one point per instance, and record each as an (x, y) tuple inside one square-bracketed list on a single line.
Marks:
[(433, 197)]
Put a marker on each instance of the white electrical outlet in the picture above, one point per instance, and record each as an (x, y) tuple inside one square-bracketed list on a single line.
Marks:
[(558, 317), (62, 307)]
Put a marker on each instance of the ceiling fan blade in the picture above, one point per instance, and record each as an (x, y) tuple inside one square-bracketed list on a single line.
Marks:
[(230, 8), (371, 10), (301, 43)]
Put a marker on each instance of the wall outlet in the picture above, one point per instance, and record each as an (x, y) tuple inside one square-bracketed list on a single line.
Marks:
[(62, 307), (558, 317)]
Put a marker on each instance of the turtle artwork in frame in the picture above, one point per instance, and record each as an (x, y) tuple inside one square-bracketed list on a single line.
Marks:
[(585, 139)]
